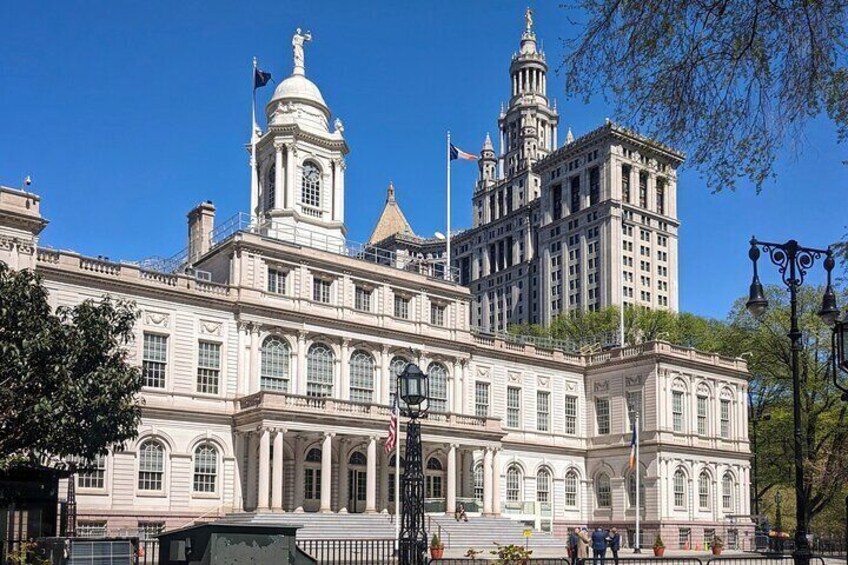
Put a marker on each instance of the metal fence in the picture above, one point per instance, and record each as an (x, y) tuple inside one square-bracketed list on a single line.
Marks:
[(349, 551)]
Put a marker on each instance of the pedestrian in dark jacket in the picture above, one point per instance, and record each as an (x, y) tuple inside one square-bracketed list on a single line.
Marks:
[(599, 547), (573, 540), (614, 542)]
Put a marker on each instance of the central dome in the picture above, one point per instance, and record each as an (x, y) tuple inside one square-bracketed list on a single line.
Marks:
[(298, 87)]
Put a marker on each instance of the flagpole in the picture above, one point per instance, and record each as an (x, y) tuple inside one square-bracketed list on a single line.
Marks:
[(254, 180), (637, 549), (397, 481), (448, 231)]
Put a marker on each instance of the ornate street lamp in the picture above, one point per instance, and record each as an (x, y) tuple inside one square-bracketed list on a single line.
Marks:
[(413, 389), (840, 352), (793, 262)]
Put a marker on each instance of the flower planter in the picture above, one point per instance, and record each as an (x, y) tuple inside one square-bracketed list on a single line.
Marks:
[(658, 551), (437, 552), (716, 549)]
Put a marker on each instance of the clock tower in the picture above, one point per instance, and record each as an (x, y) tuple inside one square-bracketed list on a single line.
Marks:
[(300, 163)]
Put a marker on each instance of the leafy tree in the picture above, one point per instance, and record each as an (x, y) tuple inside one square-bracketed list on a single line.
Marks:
[(66, 390), (728, 80)]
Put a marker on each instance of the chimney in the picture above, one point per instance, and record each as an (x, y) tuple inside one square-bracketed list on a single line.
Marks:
[(201, 221)]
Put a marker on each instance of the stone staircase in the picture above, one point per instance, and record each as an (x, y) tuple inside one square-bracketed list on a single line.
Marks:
[(479, 532)]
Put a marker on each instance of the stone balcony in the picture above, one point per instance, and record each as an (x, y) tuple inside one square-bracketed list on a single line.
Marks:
[(328, 411)]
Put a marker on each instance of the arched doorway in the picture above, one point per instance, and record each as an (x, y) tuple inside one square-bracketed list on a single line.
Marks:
[(357, 481)]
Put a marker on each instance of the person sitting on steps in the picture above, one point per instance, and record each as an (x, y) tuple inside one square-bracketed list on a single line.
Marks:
[(459, 513)]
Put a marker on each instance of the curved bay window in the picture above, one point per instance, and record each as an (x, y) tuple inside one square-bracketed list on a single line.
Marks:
[(438, 387), (151, 466), (205, 468), (312, 475), (513, 484), (275, 360), (319, 371), (311, 185), (362, 369), (603, 493)]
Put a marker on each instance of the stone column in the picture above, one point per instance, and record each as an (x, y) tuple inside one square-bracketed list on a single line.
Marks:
[(252, 441), (450, 505), (290, 169), (344, 487), (326, 472), (300, 378), (458, 405), (254, 360), (298, 475), (371, 477), (344, 381), (383, 384), (279, 191), (277, 479), (487, 481), (496, 482), (238, 473), (338, 190), (264, 467)]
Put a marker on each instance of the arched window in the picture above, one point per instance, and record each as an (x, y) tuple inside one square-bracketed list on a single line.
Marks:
[(151, 465), (312, 475), (434, 464), (704, 490), (438, 387), (357, 458), (631, 490), (543, 486), (603, 493), (271, 187), (703, 401), (274, 365), (434, 476), (513, 484), (727, 491), (478, 482), (205, 468), (679, 489), (319, 371), (361, 376), (311, 190), (571, 489), (396, 367)]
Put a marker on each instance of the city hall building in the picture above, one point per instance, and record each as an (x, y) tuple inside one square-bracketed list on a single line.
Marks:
[(270, 354)]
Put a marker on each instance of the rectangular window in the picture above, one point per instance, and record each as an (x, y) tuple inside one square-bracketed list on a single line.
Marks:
[(634, 407), (571, 415), (556, 201), (543, 411), (93, 474), (154, 360), (481, 399), (277, 281), (602, 414), (362, 299), (91, 529), (643, 190), (321, 290), (401, 307), (208, 367), (660, 196), (149, 530), (702, 415), (437, 314), (513, 407), (625, 183), (594, 186), (312, 484), (677, 410), (725, 419), (575, 194)]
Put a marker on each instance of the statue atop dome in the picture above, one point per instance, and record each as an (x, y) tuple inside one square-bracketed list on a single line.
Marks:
[(528, 21), (297, 44)]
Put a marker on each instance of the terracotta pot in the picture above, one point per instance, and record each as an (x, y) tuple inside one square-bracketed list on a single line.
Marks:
[(658, 551), (437, 552), (716, 549)]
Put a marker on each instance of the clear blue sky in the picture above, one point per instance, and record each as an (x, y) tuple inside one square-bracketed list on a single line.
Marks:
[(127, 114)]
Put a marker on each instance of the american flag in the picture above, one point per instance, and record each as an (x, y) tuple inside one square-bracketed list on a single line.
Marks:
[(393, 425)]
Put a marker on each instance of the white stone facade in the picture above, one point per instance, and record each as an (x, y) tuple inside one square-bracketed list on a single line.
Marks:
[(268, 386)]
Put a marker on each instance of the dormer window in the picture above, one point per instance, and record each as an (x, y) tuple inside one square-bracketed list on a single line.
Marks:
[(311, 191)]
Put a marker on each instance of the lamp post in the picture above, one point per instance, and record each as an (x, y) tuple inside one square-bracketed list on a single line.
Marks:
[(840, 352), (778, 521), (413, 389), (756, 419), (793, 262)]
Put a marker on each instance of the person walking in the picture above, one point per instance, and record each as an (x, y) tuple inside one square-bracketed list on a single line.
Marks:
[(583, 542), (614, 542), (573, 540), (599, 547)]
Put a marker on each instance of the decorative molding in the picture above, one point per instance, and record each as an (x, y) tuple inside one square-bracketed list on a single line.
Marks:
[(514, 376), (570, 386), (157, 319), (544, 381), (635, 380), (602, 386), (483, 372), (209, 327)]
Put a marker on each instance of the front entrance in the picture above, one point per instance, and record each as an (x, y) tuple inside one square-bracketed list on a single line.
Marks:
[(356, 481)]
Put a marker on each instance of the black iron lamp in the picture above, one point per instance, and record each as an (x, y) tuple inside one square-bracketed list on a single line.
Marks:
[(757, 303), (840, 352), (414, 390)]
